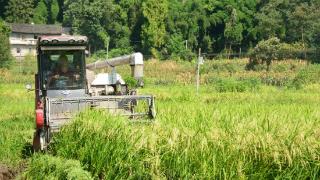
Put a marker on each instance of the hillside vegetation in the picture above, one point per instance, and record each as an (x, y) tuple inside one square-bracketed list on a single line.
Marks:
[(175, 29)]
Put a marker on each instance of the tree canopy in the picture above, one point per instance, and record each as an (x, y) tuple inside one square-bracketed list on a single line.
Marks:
[(5, 56), (175, 28)]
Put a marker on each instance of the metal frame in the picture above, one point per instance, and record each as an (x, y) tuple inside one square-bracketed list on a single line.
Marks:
[(53, 124), (68, 107)]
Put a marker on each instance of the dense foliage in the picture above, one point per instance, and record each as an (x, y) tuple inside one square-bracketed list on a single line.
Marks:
[(272, 49), (18, 11), (5, 56), (175, 28), (49, 167)]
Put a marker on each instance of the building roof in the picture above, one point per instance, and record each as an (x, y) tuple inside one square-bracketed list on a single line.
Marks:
[(36, 29)]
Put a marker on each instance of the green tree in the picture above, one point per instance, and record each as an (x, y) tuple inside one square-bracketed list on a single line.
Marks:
[(5, 56), (265, 51), (303, 22), (19, 11), (153, 30), (99, 19), (85, 17), (46, 12), (315, 27), (61, 10), (165, 26), (40, 15), (271, 20), (135, 21), (53, 10), (233, 30), (3, 4), (187, 25)]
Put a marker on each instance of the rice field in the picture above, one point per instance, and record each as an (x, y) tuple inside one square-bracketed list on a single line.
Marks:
[(238, 127)]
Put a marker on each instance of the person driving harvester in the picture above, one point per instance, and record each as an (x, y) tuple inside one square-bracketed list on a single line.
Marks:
[(63, 75)]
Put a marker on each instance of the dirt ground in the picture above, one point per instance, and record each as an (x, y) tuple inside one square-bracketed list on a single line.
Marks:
[(6, 173)]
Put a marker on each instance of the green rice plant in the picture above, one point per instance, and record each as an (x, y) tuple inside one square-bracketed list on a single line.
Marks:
[(279, 81), (247, 130), (229, 85), (103, 146), (16, 124), (223, 66), (49, 167), (307, 75), (233, 85), (270, 134)]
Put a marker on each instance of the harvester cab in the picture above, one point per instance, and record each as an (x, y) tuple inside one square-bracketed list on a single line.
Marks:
[(65, 85)]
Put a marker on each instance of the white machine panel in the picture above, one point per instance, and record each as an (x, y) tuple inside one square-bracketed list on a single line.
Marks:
[(107, 79)]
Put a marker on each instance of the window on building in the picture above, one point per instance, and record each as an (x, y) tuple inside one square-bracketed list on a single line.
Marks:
[(18, 50)]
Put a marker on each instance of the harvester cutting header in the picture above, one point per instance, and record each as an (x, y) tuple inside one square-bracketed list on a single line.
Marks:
[(65, 85)]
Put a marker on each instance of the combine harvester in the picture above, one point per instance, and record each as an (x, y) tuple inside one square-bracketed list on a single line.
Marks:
[(65, 85)]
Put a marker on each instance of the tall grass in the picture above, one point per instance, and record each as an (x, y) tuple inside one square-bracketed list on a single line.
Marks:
[(20, 72), (49, 167), (270, 134), (16, 123), (237, 127), (282, 73), (110, 152)]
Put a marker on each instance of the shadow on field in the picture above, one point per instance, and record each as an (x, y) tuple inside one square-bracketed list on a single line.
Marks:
[(6, 173), (27, 151)]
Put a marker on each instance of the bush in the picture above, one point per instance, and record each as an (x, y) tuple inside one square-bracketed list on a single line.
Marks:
[(291, 51), (5, 56), (272, 49), (280, 68), (49, 167), (119, 52), (229, 67), (176, 50), (164, 82), (130, 81), (232, 85), (276, 80), (264, 52), (102, 54), (186, 55), (252, 83), (315, 57), (308, 75)]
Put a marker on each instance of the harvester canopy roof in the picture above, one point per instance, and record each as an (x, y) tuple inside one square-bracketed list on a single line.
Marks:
[(60, 40)]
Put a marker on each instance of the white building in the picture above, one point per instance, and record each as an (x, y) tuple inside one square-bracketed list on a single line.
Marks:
[(23, 38)]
